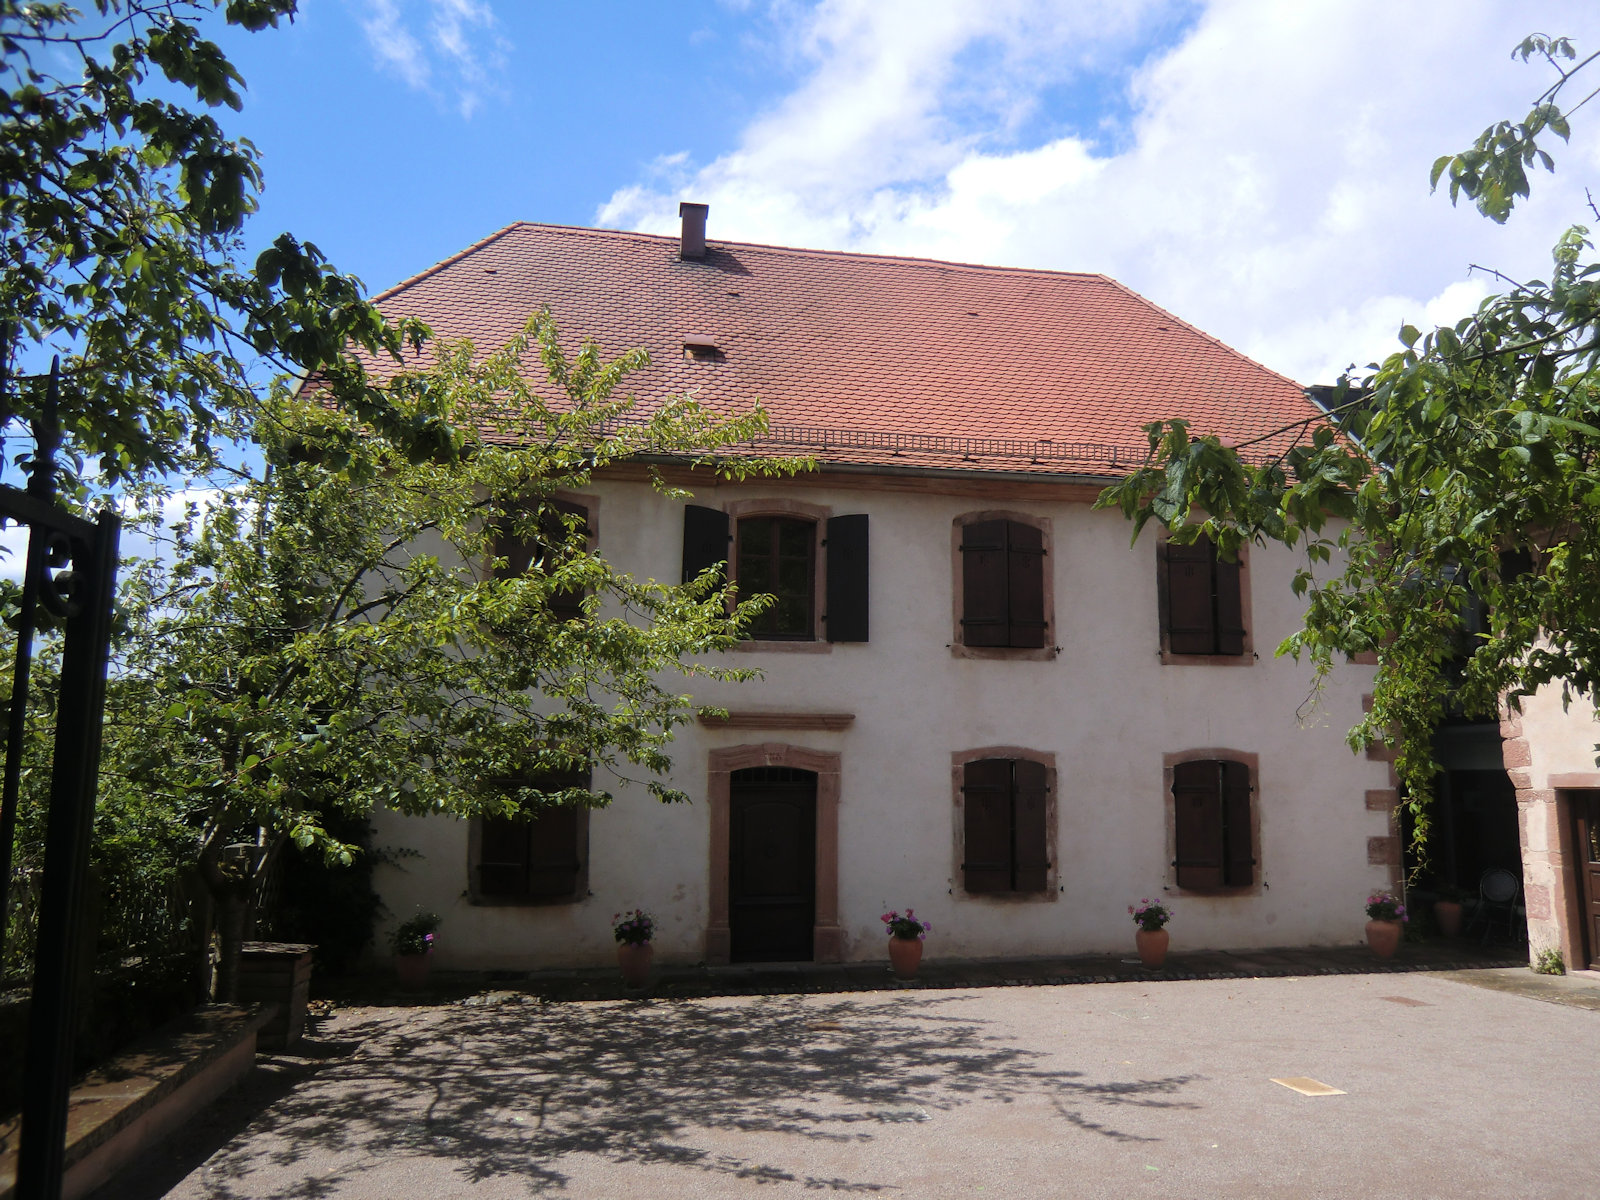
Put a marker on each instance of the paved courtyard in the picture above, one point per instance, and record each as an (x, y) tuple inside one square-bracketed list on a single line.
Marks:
[(1160, 1089)]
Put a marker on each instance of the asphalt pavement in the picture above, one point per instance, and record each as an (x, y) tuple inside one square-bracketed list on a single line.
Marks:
[(1403, 1084)]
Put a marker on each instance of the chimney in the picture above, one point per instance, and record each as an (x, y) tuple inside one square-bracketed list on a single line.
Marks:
[(694, 229)]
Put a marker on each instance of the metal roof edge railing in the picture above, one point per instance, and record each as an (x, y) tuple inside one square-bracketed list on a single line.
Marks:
[(900, 444)]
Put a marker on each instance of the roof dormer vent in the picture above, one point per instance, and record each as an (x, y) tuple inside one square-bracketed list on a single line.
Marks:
[(693, 245), (700, 347)]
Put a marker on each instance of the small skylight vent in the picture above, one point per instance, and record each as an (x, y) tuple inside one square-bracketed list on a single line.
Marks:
[(700, 346)]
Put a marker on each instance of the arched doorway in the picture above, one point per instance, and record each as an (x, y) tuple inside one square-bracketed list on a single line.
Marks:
[(772, 864), (773, 804)]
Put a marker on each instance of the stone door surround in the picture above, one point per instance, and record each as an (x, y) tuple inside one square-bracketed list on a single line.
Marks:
[(827, 937)]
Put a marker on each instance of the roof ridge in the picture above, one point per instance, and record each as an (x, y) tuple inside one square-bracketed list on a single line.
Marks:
[(397, 288), (805, 251)]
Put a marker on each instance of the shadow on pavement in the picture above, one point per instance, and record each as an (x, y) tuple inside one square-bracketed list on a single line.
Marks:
[(504, 1086)]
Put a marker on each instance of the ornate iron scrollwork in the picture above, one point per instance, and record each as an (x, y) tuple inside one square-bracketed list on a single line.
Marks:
[(57, 567)]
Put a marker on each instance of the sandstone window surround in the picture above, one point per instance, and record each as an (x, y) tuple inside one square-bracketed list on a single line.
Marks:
[(816, 564), (521, 553), (1204, 605), (1213, 821), (541, 858), (1003, 589), (1005, 828)]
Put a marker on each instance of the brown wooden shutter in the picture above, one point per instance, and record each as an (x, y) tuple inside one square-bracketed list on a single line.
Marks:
[(1239, 844), (1230, 607), (985, 613), (1025, 585), (1030, 851), (538, 855), (519, 552), (986, 810), (1191, 624), (502, 857), (705, 540), (1197, 815), (846, 617)]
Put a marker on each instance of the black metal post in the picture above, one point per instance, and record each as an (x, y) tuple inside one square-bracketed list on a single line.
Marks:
[(17, 725), (52, 1022)]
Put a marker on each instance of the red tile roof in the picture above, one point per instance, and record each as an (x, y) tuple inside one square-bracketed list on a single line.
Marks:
[(867, 358)]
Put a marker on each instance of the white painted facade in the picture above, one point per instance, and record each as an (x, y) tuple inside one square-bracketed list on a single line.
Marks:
[(1106, 707)]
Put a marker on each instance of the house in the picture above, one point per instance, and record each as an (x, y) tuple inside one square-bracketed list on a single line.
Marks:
[(980, 701), (1549, 748)]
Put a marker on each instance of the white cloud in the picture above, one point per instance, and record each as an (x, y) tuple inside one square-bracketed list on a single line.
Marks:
[(439, 46), (1268, 183), (394, 43)]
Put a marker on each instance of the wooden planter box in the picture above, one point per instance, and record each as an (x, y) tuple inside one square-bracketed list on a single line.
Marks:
[(277, 973)]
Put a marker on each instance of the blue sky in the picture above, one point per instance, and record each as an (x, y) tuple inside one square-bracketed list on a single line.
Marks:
[(1259, 168), (392, 158), (395, 132)]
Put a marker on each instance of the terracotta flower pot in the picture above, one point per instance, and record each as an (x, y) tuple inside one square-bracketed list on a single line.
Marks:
[(412, 969), (635, 959), (1448, 915), (1152, 945), (1384, 937), (904, 956)]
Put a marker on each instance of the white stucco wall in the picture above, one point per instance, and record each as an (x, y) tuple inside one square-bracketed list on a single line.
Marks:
[(1550, 750), (1106, 707)]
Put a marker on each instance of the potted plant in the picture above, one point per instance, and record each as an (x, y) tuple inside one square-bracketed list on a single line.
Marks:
[(906, 935), (1151, 916), (413, 947), (1447, 910), (1387, 917), (633, 932)]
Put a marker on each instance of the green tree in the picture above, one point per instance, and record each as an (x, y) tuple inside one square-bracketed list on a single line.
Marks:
[(332, 637), (120, 215), (1460, 478)]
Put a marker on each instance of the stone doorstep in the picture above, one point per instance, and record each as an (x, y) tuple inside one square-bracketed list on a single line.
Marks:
[(121, 1109)]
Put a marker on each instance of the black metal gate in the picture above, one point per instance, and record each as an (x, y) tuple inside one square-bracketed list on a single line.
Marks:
[(71, 575)]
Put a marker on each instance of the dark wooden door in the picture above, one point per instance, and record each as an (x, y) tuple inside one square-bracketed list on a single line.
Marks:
[(772, 851), (1586, 817)]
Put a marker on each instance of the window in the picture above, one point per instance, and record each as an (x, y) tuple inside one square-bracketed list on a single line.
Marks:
[(1004, 594), (777, 556), (521, 554), (1202, 602), (542, 858), (774, 548), (1212, 825), (1006, 826)]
